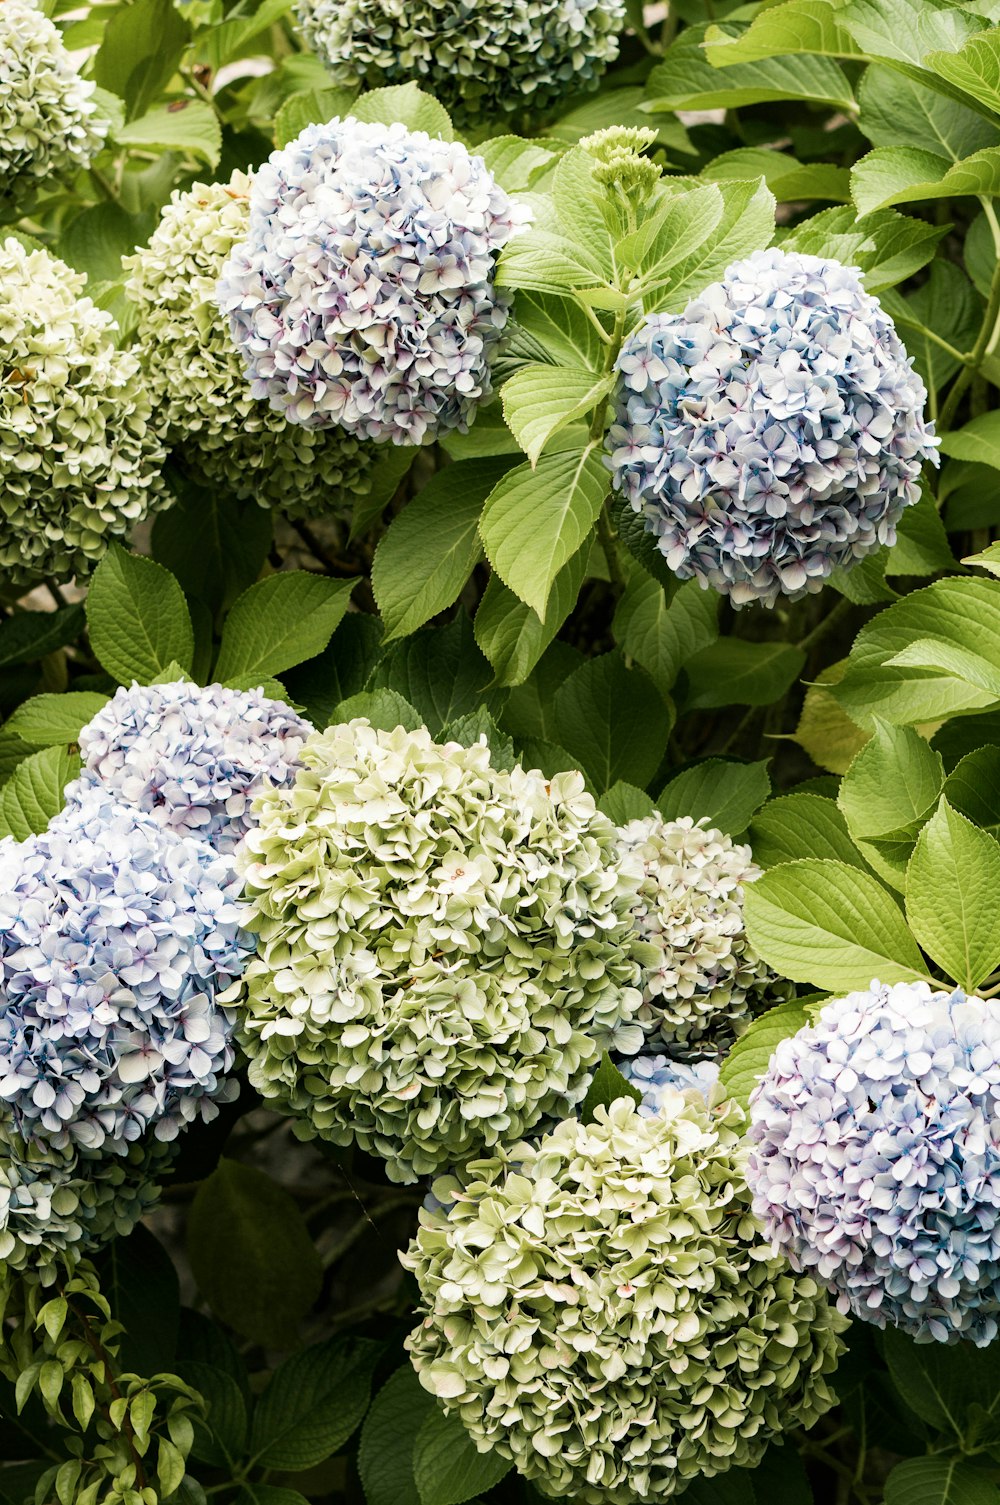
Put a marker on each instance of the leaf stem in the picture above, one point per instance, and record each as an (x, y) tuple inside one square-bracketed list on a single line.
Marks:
[(987, 339)]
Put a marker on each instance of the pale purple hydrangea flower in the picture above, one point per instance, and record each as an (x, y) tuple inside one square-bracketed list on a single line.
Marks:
[(876, 1157), (115, 936), (657, 1076), (773, 431), (363, 295), (193, 757)]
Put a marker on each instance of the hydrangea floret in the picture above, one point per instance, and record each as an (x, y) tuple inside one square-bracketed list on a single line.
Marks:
[(49, 122), (69, 1201), (443, 946), (363, 293), (202, 403), (702, 981), (876, 1157), (190, 756), (115, 936), (658, 1076), (773, 431), (601, 1307), (480, 61), (79, 462)]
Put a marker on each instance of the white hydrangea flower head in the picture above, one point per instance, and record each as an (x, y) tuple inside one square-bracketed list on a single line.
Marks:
[(202, 404), (773, 431), (443, 947), (191, 756), (79, 461), (601, 1307), (876, 1157), (702, 980), (49, 124), (481, 61), (363, 293)]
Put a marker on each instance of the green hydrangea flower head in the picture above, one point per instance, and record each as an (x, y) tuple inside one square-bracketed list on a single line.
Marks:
[(480, 60), (601, 1307), (79, 462), (201, 395), (68, 1201), (49, 124), (702, 980), (443, 946)]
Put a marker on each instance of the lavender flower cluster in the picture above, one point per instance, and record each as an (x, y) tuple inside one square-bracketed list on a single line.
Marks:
[(773, 431), (119, 927), (876, 1158), (363, 294), (192, 758), (658, 1076)]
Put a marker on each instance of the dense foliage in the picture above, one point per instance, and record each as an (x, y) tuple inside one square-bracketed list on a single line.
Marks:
[(499, 752)]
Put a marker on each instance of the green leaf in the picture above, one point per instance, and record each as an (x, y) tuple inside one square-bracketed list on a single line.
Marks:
[(313, 1403), (963, 613), (139, 1282), (529, 712), (517, 163), (939, 1481), (747, 225), (973, 788), (748, 1059), (186, 125), (137, 618), (663, 632), (310, 107), (251, 1254), (606, 1086), (385, 709), (214, 545), (54, 720), (280, 622), (801, 825), (908, 174), (268, 1494), (827, 923), (441, 672), (675, 232), (986, 559), (978, 440), (31, 635), (535, 520), (946, 305), (407, 104), (385, 1456), (139, 55), (557, 326), (221, 1438), (387, 475), (613, 720), (512, 636), (686, 80), (734, 671), (940, 1383), (973, 68), (809, 26), (951, 887), (727, 794), (896, 109), (447, 1468), (887, 246), (892, 785), (34, 792), (624, 802), (340, 671), (539, 261), (432, 546), (787, 179), (539, 400)]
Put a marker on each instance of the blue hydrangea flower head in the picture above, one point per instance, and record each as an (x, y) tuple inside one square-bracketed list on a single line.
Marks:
[(72, 1200), (193, 757), (363, 294), (875, 1158), (658, 1076), (771, 432), (115, 935), (479, 60)]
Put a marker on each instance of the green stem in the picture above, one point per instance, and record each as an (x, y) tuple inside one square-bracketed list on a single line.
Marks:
[(987, 339)]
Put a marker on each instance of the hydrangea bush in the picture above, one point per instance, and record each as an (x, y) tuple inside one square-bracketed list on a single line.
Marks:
[(439, 1057)]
